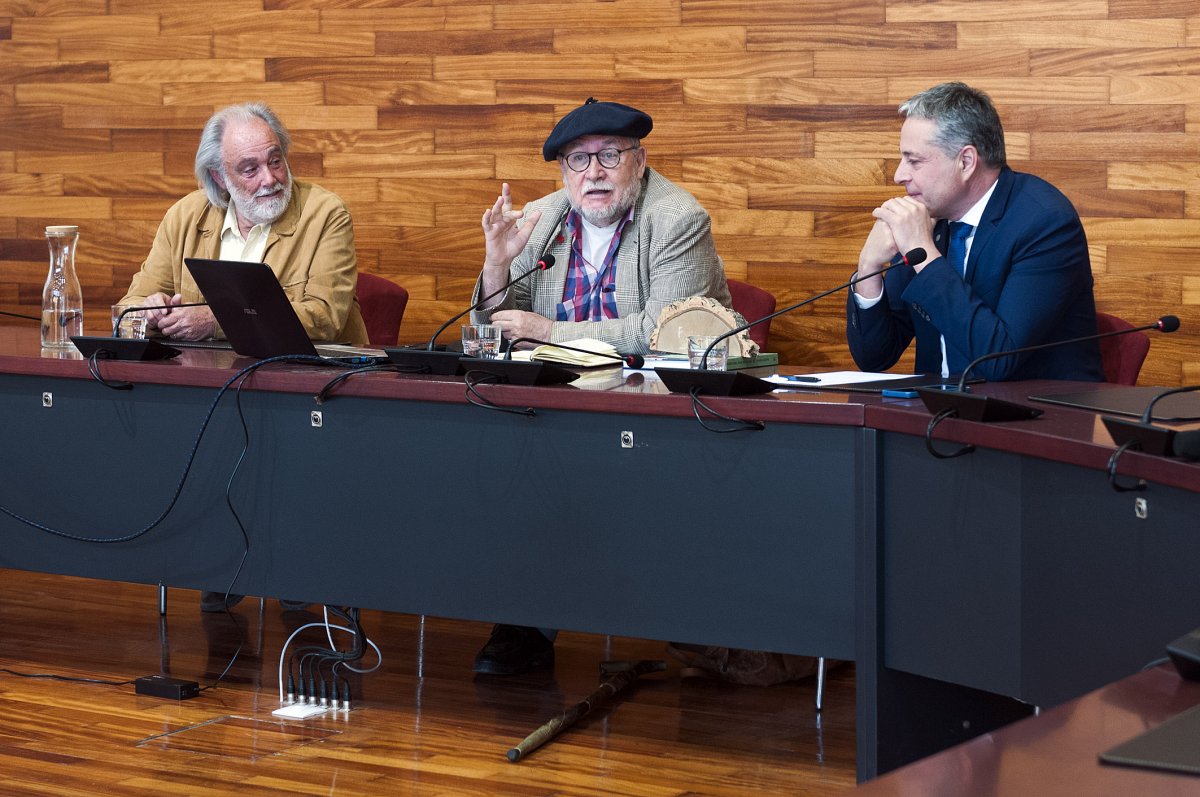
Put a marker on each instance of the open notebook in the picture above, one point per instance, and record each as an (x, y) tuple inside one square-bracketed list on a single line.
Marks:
[(583, 353)]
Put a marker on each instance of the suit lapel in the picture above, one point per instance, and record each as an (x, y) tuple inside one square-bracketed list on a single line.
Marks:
[(993, 213), (549, 285), (208, 247), (626, 277), (941, 236)]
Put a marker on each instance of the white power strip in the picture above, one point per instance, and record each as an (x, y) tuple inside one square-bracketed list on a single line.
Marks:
[(300, 711)]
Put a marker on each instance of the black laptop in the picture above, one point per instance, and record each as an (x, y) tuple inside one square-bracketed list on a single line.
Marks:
[(255, 315)]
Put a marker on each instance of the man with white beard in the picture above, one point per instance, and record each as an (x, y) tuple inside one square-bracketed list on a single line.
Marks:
[(249, 208), (626, 241)]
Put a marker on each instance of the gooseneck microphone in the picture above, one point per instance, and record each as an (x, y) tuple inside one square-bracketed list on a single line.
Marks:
[(735, 383), (518, 372), (116, 330), (119, 348), (430, 360), (543, 263), (628, 360), (986, 409), (958, 403), (1145, 436), (913, 257), (1166, 324)]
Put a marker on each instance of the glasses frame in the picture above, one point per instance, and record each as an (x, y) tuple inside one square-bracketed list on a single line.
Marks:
[(620, 155)]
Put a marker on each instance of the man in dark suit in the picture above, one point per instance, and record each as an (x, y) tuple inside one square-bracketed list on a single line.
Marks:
[(1007, 263)]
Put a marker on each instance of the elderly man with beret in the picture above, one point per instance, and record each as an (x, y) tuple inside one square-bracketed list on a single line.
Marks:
[(626, 241)]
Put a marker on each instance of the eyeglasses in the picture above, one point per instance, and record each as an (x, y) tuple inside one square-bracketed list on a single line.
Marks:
[(609, 159)]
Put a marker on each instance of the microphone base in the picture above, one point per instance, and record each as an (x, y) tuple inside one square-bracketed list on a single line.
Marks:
[(972, 407), (1149, 438), (102, 348), (713, 383), (520, 372), (427, 361), (1185, 655), (1187, 445)]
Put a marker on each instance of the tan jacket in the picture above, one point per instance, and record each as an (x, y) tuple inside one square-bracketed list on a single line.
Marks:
[(666, 253), (310, 249)]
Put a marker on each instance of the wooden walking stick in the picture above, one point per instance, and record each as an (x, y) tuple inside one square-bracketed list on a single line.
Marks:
[(620, 674)]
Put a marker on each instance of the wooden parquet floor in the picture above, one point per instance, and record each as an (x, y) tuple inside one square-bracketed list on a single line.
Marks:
[(422, 724)]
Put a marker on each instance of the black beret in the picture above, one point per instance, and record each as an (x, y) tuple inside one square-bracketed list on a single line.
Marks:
[(596, 118)]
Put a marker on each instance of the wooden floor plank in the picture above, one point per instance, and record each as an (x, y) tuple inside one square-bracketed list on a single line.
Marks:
[(422, 724)]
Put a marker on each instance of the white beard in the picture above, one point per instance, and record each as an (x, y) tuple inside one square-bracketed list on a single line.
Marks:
[(257, 211), (622, 201)]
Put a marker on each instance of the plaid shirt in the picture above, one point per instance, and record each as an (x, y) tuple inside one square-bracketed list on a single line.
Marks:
[(590, 291)]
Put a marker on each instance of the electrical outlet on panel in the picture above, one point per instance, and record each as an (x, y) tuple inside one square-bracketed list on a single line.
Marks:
[(626, 439), (47, 399), (317, 419), (1141, 508)]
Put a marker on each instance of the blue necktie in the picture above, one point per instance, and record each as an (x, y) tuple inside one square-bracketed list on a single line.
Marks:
[(956, 251)]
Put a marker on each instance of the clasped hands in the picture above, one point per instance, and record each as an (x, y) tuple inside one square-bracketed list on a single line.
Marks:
[(181, 323), (901, 225)]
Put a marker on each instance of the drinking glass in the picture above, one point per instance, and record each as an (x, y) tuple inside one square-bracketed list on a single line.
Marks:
[(717, 359)]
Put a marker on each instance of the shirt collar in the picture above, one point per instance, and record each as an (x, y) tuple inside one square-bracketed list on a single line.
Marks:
[(230, 226), (975, 214)]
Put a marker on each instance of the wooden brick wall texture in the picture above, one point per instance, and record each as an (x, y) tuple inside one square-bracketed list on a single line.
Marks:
[(778, 114)]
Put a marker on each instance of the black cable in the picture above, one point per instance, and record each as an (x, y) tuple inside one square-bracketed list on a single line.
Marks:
[(239, 379), (1148, 415), (487, 377), (20, 315), (242, 374), (76, 679), (229, 490), (323, 394), (1111, 469), (241, 633), (949, 412), (241, 636), (306, 665), (741, 425), (94, 370)]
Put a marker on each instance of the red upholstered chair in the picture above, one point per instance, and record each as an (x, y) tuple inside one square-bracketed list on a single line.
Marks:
[(753, 303), (382, 302), (1121, 355)]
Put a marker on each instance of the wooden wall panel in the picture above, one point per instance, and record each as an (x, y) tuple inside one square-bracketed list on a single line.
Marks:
[(779, 115)]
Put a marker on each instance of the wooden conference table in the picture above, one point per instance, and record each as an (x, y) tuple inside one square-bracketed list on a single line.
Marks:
[(956, 585), (1056, 754)]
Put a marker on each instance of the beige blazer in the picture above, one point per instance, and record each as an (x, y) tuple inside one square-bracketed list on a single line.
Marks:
[(310, 249), (666, 253)]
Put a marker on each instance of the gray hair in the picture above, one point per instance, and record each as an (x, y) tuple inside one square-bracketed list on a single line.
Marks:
[(963, 116), (208, 153)]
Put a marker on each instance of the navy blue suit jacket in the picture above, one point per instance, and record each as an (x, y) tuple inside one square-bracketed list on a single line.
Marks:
[(1028, 281)]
